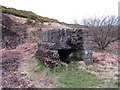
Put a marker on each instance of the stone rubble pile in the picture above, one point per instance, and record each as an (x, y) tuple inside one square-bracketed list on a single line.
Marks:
[(50, 58)]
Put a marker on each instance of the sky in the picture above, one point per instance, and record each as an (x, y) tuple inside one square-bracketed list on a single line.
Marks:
[(66, 10)]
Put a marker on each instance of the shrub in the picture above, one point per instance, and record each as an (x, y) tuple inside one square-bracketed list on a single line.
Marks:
[(37, 21), (37, 33), (29, 21), (40, 29), (104, 30)]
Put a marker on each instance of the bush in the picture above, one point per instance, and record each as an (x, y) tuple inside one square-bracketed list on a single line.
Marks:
[(37, 21), (37, 33), (40, 29), (29, 21), (104, 30)]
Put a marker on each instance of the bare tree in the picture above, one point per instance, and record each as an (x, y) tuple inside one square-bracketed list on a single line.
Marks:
[(104, 29)]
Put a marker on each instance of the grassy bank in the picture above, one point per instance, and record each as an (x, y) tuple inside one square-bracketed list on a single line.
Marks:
[(67, 77)]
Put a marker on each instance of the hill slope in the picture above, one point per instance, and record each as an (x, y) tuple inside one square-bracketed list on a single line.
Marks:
[(28, 14), (19, 26)]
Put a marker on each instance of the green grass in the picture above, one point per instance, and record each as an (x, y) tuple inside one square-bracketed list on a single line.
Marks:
[(35, 57), (113, 83), (82, 79), (40, 67), (76, 78), (72, 77), (74, 58)]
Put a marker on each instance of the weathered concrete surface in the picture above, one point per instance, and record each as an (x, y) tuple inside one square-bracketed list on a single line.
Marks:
[(79, 42)]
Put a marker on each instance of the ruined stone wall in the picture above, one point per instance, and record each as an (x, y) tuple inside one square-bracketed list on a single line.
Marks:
[(87, 45), (66, 41)]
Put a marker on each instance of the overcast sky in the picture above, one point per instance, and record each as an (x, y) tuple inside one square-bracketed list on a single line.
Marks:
[(66, 10)]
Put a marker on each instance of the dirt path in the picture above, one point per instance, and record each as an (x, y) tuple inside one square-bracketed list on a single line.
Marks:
[(11, 76)]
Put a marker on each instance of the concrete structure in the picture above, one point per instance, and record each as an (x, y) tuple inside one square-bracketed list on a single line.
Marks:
[(63, 42)]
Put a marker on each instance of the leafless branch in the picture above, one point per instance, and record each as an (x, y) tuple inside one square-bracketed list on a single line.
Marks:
[(105, 29)]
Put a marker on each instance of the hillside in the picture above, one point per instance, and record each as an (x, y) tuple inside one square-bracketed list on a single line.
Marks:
[(22, 34), (19, 26), (21, 67), (29, 14)]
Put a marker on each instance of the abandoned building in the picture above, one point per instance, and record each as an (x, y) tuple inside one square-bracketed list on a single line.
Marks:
[(63, 42)]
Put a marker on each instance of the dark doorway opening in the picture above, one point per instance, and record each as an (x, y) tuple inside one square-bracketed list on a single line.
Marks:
[(64, 55)]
